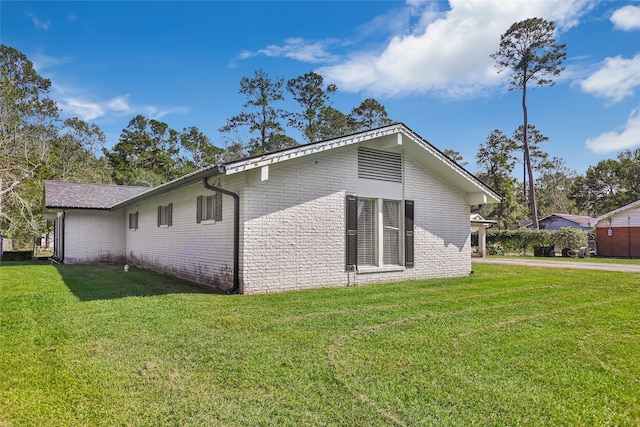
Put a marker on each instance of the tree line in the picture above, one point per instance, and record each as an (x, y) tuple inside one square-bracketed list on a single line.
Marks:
[(35, 144)]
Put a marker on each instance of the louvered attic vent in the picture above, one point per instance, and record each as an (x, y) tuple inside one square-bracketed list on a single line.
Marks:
[(380, 165)]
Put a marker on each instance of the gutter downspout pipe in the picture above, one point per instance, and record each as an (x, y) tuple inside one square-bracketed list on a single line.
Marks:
[(236, 232)]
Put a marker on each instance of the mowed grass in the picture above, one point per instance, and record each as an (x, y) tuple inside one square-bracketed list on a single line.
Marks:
[(92, 345)]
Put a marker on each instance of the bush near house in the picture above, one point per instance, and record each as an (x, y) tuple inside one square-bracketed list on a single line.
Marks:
[(525, 240)]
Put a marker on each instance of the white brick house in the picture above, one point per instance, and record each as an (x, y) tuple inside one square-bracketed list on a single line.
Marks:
[(381, 205)]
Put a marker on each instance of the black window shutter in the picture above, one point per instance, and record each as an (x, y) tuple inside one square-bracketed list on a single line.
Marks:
[(218, 207), (408, 233), (199, 210), (159, 215), (170, 214), (352, 233)]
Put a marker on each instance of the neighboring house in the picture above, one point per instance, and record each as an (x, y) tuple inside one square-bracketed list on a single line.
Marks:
[(556, 221), (380, 205), (618, 232)]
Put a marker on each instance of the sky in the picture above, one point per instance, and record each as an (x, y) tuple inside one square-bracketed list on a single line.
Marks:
[(427, 62)]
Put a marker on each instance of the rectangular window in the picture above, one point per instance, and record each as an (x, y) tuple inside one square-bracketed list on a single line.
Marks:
[(133, 221), (209, 208), (375, 233), (165, 214)]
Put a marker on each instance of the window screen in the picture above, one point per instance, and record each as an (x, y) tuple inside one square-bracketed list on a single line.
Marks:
[(366, 232), (391, 232)]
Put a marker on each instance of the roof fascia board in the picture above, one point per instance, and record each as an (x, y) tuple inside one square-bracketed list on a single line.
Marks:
[(308, 149), (238, 166), (617, 211), (451, 164), (171, 185)]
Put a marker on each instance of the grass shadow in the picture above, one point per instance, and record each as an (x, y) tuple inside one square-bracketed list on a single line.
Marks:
[(102, 282)]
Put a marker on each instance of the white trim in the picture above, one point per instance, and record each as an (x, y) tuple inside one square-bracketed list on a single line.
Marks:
[(616, 211)]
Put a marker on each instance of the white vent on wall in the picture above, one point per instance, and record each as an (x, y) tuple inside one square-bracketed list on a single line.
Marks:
[(380, 165)]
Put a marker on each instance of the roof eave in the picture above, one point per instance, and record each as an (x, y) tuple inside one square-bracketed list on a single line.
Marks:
[(171, 185)]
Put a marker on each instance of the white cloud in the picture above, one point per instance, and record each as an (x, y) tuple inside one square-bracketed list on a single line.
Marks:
[(616, 79), (86, 110), (448, 53), (626, 18), (119, 103), (75, 102), (615, 141), (156, 113), (295, 48), (39, 23)]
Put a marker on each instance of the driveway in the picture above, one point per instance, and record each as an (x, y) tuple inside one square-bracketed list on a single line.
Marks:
[(578, 265)]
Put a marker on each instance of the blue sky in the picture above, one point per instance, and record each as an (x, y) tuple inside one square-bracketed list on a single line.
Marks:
[(427, 62)]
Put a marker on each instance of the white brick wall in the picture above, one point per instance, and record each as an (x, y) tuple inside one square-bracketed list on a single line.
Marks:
[(92, 236), (294, 226), (292, 229), (201, 253)]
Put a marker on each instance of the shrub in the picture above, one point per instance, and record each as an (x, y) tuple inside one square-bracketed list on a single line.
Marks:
[(525, 239)]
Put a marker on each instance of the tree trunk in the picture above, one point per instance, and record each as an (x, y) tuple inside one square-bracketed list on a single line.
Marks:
[(532, 190)]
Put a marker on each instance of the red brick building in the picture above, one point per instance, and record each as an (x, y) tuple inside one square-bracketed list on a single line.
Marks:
[(618, 232)]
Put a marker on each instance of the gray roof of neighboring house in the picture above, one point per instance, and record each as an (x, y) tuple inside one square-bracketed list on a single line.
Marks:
[(63, 194), (581, 220)]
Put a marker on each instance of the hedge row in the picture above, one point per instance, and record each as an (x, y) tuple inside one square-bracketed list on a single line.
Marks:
[(525, 240)]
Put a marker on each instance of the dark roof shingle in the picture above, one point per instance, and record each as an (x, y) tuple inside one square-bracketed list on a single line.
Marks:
[(62, 194)]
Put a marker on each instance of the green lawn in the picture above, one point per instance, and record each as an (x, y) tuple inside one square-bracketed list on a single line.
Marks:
[(602, 260), (86, 345)]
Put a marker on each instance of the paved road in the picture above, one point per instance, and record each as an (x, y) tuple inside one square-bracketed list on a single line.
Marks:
[(541, 262)]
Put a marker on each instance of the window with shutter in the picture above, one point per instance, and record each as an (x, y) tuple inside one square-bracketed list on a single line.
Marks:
[(209, 208), (165, 214), (133, 221), (376, 234)]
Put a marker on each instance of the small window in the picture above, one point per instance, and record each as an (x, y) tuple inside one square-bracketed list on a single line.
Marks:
[(165, 215), (133, 221), (209, 208)]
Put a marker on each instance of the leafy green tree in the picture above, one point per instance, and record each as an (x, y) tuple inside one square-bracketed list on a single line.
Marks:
[(370, 114), (259, 113), (554, 186), (530, 51), (74, 154), (599, 190), (334, 123), (27, 131), (199, 150), (628, 174), (146, 153), (608, 185), (537, 156), (496, 161), (309, 92), (455, 156)]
